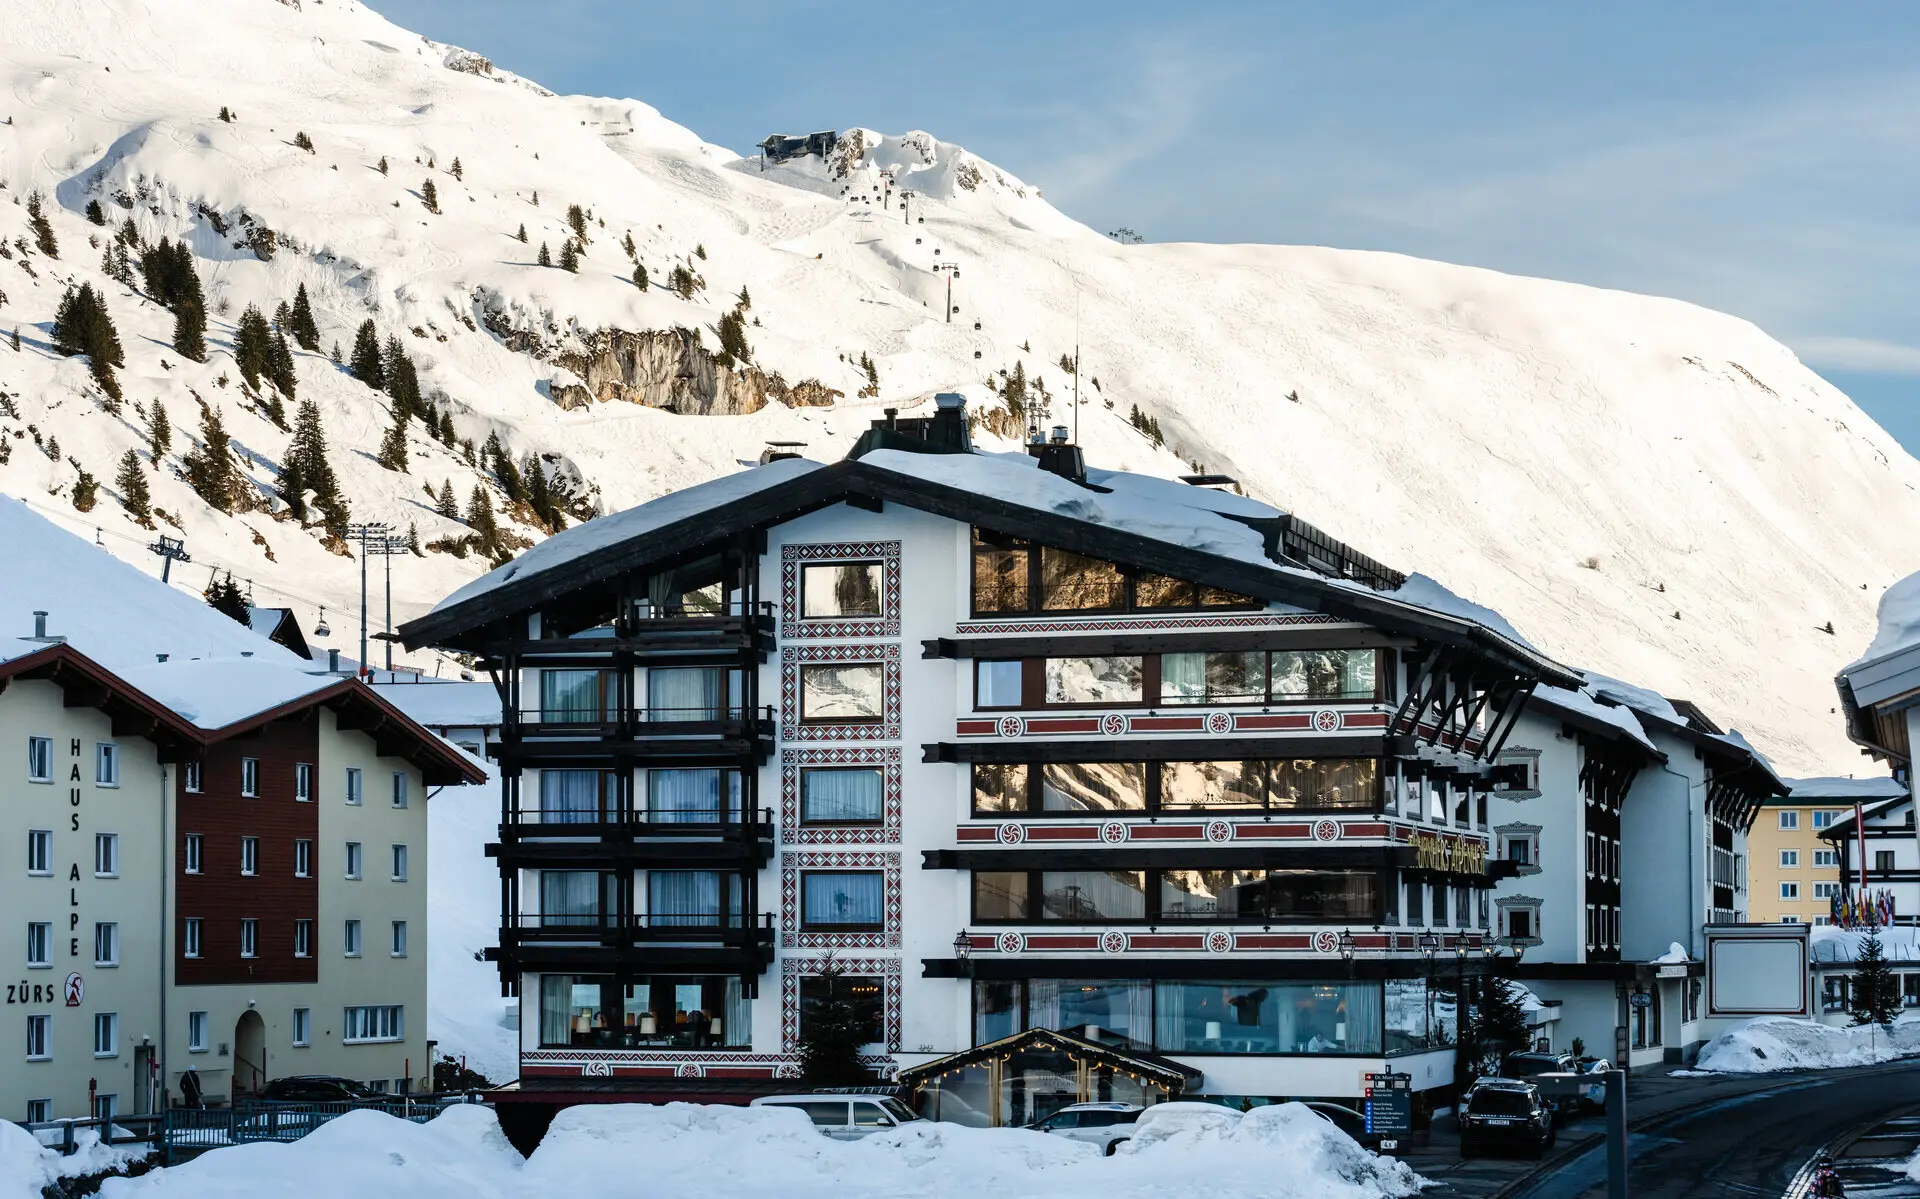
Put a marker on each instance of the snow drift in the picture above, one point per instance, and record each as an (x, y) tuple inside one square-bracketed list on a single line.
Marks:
[(1775, 1043)]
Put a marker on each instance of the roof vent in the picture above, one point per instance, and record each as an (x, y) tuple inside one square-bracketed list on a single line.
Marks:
[(949, 399), (1210, 480), (246, 653), (333, 660), (160, 657), (776, 450), (1059, 436), (39, 624)]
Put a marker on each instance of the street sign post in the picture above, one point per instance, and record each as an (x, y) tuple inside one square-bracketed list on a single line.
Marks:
[(1389, 1108), (1567, 1085)]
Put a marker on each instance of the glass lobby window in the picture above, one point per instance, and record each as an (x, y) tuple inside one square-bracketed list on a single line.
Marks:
[(1212, 894), (999, 787), (863, 994), (1230, 678), (682, 1012), (842, 693), (1407, 1017), (841, 795), (1000, 895), (1111, 1013), (1000, 574), (838, 589), (1324, 783), (1092, 896), (572, 695), (1071, 581), (1318, 674), (1093, 787), (1231, 784), (1220, 1017), (996, 683), (997, 1010), (1107, 680)]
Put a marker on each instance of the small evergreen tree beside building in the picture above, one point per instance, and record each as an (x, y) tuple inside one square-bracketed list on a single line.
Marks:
[(833, 1027), (1875, 994)]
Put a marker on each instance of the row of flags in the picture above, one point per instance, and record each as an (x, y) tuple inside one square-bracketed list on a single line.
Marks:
[(1863, 909)]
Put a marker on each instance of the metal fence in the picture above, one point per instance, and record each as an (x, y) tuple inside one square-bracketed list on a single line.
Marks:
[(185, 1132)]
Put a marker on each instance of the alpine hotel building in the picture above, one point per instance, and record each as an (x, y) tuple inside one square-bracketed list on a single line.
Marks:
[(1088, 785)]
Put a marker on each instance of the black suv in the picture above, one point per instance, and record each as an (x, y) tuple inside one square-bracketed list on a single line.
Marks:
[(316, 1088), (1505, 1112), (1525, 1066)]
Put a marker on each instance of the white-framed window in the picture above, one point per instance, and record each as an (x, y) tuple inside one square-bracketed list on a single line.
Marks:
[(249, 855), (1790, 819), (190, 937), (399, 863), (106, 855), (190, 777), (39, 759), (354, 864), (1825, 818), (249, 937), (198, 1027), (105, 1107), (1789, 890), (350, 939), (1790, 920), (106, 764), (303, 782), (1826, 859), (39, 851), (106, 1034), (399, 788), (302, 1027), (399, 949), (302, 857), (39, 1038), (303, 938), (250, 777), (39, 945), (1825, 890), (39, 1111), (383, 1022), (353, 785), (1789, 859), (106, 943), (1822, 921), (195, 844)]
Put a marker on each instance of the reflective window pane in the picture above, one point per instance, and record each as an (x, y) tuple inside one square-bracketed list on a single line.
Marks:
[(1230, 678), (1000, 895), (996, 1010), (1110, 1013), (996, 683), (836, 589), (1408, 1014), (1074, 581), (842, 692), (1212, 894), (1322, 896), (1267, 1017), (841, 795), (1230, 784), (1091, 896), (1113, 680), (1324, 674), (999, 787), (1000, 576), (1324, 783), (1093, 787), (1162, 591)]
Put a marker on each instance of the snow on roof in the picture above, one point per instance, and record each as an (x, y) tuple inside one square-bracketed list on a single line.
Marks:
[(1899, 622), (1845, 788), (106, 609), (594, 535), (1738, 740), (1640, 699), (1429, 593), (216, 692), (1831, 943), (1154, 489), (1675, 954), (1579, 703), (443, 705)]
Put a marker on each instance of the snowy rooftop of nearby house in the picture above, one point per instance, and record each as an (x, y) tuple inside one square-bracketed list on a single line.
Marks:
[(216, 692), (441, 705), (1638, 698), (1845, 788), (1829, 943), (1899, 624), (1579, 703)]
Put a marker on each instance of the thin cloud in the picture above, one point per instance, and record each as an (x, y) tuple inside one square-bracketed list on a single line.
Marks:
[(1858, 354)]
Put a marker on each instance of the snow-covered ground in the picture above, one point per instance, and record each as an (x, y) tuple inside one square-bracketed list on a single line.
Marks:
[(26, 1165), (1639, 485), (694, 1152), (1774, 1043)]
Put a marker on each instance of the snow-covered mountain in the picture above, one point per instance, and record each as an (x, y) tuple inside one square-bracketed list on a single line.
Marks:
[(1653, 490)]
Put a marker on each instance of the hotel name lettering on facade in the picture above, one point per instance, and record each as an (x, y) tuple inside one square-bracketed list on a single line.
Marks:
[(1434, 852)]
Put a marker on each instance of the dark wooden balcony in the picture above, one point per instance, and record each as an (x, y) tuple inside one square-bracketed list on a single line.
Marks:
[(725, 943), (718, 734), (720, 837)]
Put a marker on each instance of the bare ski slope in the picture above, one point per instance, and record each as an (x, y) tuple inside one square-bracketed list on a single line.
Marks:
[(1643, 487)]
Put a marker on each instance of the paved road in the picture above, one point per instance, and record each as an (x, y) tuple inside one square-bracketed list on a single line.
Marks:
[(1757, 1144)]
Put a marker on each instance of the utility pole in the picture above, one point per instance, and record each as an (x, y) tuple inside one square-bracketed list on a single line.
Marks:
[(171, 550), (952, 271), (366, 535), (906, 214), (387, 547)]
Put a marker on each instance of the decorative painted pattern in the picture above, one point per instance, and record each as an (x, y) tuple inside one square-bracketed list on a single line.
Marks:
[(1143, 832), (792, 761), (792, 970), (1124, 724), (795, 627), (1130, 624), (793, 657), (791, 866)]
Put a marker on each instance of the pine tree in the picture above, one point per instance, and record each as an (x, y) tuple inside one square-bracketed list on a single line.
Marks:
[(300, 324), (403, 382), (446, 429), (94, 214), (190, 333), (280, 370), (82, 325), (681, 281), (446, 504), (745, 301), (569, 259), (16, 339), (873, 372), (42, 230), (159, 430), (536, 194), (210, 468), (545, 259), (733, 340), (577, 221), (367, 366), (1874, 997), (522, 235), (225, 597), (305, 469), (253, 346), (302, 141), (486, 534), (832, 1030), (86, 489), (132, 483), (457, 170), (640, 276), (1502, 1023), (383, 164), (430, 196), (282, 316), (700, 252), (393, 446), (539, 495), (226, 114), (626, 243)]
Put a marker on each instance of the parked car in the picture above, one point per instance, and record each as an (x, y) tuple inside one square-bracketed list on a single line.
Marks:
[(846, 1116), (317, 1088), (1526, 1066), (1505, 1112), (1347, 1120), (1104, 1124), (1596, 1098)]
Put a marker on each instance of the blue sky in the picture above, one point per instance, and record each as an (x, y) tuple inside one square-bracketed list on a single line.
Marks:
[(1761, 158)]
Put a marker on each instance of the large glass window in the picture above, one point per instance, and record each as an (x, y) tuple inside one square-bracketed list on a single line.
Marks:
[(1090, 896), (863, 996), (1093, 787), (1162, 591), (1267, 1017), (687, 693), (841, 795), (1212, 894), (1072, 581), (693, 796), (1000, 895), (1324, 674), (693, 589), (999, 787), (1228, 678), (1268, 895), (1113, 1013), (575, 796), (573, 696), (1322, 895), (842, 900), (1000, 574), (1107, 680), (692, 899), (569, 898), (1324, 783), (842, 693), (662, 1012), (998, 1010), (997, 682), (1409, 1015), (1230, 784), (839, 589)]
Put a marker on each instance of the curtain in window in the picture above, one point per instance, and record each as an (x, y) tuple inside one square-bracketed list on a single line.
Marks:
[(570, 695), (556, 995), (569, 898), (1183, 678), (685, 693), (569, 796), (684, 898), (692, 796), (841, 796), (840, 899), (738, 1013)]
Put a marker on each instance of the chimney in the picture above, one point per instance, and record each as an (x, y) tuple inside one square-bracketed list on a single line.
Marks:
[(40, 624), (1059, 435), (333, 661), (246, 653), (893, 417), (160, 657)]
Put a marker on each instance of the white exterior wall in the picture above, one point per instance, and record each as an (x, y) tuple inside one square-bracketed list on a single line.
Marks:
[(1663, 869), (72, 899), (1559, 811)]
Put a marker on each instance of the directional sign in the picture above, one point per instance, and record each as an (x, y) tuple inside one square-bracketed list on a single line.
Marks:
[(1389, 1106)]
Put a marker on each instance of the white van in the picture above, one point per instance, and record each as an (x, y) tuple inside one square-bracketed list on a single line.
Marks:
[(844, 1116)]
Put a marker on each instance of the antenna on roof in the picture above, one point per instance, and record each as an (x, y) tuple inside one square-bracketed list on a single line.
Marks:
[(1076, 362)]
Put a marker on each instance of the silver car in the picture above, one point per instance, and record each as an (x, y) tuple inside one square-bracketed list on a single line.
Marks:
[(1104, 1124), (846, 1117)]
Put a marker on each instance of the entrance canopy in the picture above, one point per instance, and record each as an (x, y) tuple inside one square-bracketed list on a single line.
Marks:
[(1024, 1078)]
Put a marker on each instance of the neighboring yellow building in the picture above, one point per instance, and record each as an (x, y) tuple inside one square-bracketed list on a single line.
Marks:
[(1793, 875)]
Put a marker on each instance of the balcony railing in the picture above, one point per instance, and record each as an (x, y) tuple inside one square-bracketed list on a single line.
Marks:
[(645, 722), (703, 928), (647, 613), (731, 820)]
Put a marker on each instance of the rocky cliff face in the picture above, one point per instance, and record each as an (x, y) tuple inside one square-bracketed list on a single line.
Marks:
[(670, 369)]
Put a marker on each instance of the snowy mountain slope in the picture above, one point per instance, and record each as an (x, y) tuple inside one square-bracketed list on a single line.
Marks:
[(1653, 490)]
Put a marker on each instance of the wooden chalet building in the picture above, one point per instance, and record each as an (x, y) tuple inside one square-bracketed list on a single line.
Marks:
[(994, 744)]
